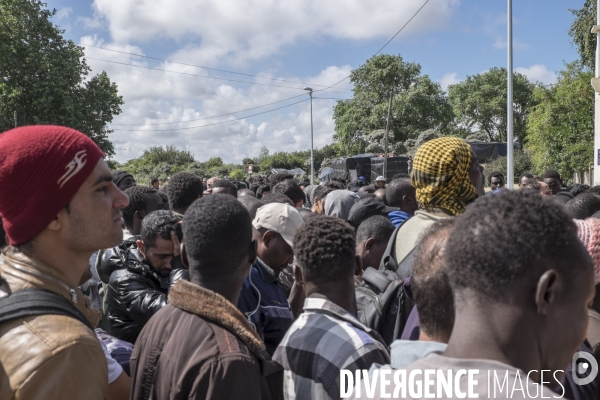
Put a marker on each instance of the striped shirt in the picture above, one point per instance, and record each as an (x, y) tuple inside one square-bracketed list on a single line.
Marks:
[(322, 341)]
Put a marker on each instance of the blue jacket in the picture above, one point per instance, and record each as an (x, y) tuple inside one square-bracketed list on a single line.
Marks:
[(398, 217), (273, 316)]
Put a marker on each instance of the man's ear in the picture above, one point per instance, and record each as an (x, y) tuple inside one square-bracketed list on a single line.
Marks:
[(267, 237), (138, 215), (141, 248), (358, 268), (184, 257), (252, 254), (369, 243), (298, 275), (56, 223), (546, 291)]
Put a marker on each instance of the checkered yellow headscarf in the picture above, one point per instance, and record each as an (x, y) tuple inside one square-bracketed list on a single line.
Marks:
[(441, 175)]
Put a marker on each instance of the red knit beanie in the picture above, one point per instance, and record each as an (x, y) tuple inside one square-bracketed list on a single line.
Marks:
[(589, 232), (41, 169)]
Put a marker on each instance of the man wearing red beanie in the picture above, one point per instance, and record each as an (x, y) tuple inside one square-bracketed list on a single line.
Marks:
[(58, 205)]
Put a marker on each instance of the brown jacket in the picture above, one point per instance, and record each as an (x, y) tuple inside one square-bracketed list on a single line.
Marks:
[(48, 356), (200, 346)]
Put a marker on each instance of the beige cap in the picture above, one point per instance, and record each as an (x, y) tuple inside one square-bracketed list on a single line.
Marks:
[(281, 218)]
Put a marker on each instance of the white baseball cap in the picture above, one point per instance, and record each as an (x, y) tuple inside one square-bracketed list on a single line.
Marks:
[(380, 179), (281, 218)]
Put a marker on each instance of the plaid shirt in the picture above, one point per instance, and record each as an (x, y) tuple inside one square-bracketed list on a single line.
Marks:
[(321, 342)]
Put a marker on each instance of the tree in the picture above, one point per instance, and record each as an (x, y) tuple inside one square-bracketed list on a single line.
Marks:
[(479, 103), (561, 126), (418, 104), (237, 174), (580, 33), (522, 163), (159, 162), (43, 76)]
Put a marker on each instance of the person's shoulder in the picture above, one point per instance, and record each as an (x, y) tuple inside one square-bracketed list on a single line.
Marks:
[(43, 337)]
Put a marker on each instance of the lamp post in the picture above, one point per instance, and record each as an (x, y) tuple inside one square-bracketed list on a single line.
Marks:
[(510, 179), (312, 161)]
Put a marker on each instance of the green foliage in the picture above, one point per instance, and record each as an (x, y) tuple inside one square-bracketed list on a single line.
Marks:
[(237, 174), (580, 34), (158, 162), (44, 76), (418, 104), (561, 126), (113, 165), (480, 103), (477, 137), (522, 163)]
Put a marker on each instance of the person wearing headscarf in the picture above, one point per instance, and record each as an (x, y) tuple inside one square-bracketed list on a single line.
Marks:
[(309, 191), (339, 202), (447, 177)]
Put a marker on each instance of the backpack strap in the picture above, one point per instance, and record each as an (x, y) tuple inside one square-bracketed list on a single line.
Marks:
[(376, 278), (30, 302), (387, 261), (404, 269)]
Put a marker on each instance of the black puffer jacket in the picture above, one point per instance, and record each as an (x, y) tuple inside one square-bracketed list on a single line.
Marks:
[(134, 295), (117, 257)]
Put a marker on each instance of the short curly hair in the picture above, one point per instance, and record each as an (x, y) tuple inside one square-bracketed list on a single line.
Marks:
[(159, 224), (325, 249), (183, 189), (291, 190), (137, 202), (583, 206), (429, 282), (501, 238), (218, 233)]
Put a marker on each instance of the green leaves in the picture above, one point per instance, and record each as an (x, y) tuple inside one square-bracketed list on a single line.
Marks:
[(44, 76), (561, 127), (479, 103), (580, 34), (418, 104)]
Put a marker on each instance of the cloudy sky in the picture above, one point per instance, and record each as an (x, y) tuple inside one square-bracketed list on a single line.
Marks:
[(207, 62)]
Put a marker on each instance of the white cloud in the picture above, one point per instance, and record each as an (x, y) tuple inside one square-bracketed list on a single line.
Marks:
[(252, 29), (448, 79), (153, 98), (63, 13), (538, 73)]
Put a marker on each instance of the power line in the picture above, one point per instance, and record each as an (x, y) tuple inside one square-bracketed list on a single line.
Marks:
[(216, 116), (200, 66), (216, 123), (201, 76), (384, 46), (404, 26)]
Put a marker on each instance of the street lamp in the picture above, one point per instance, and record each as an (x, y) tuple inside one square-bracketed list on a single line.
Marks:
[(312, 161)]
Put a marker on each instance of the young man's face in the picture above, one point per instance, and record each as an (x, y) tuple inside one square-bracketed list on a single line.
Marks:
[(567, 319), (475, 174), (127, 183), (553, 184), (523, 181), (380, 184), (94, 219), (496, 182), (160, 256)]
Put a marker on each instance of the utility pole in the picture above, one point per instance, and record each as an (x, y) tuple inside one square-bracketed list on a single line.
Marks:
[(510, 179), (596, 86), (387, 131), (15, 119), (312, 159)]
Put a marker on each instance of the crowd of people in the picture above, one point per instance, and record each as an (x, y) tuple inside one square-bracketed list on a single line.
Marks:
[(271, 288)]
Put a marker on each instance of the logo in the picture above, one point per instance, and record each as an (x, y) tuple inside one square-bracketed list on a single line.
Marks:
[(583, 364), (73, 168)]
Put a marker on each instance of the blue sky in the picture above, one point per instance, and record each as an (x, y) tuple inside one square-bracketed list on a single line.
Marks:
[(306, 42)]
